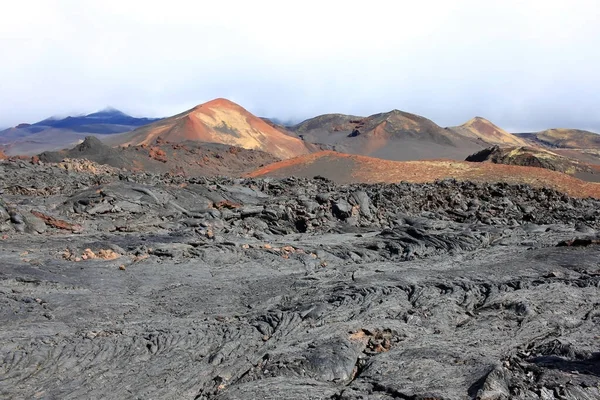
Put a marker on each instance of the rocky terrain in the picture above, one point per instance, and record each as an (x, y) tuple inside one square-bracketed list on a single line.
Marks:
[(184, 158), (537, 157), (118, 284), (346, 168)]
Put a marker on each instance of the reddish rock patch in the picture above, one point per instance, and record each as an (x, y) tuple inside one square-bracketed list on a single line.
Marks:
[(158, 154), (57, 223), (226, 204)]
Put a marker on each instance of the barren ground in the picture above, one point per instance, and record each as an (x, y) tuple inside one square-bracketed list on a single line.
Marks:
[(120, 285)]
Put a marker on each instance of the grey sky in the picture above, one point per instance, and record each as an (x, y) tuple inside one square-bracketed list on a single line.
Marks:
[(525, 65)]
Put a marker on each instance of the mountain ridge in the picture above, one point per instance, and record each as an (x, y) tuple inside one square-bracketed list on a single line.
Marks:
[(393, 135), (218, 121), (55, 133), (565, 138), (479, 128)]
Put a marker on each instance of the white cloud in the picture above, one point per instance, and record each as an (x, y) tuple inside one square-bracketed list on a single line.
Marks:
[(522, 64)]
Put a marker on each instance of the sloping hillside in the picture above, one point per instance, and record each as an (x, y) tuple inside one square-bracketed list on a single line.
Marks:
[(185, 158), (537, 157), (485, 131), (345, 168), (395, 135), (218, 121), (564, 139)]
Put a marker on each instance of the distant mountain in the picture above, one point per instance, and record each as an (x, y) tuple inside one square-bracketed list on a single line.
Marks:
[(218, 121), (573, 143), (109, 120), (57, 133), (395, 135), (537, 157), (324, 125), (564, 139), (481, 129)]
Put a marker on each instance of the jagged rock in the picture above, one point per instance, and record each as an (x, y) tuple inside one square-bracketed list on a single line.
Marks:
[(33, 224), (362, 199), (342, 209), (495, 386), (294, 288), (4, 216)]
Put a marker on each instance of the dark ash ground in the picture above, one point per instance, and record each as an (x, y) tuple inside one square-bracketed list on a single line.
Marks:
[(298, 289)]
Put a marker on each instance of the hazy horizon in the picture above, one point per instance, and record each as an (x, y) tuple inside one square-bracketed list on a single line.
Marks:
[(288, 122), (525, 67)]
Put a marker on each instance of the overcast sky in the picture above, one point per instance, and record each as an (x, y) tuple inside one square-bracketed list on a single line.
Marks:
[(525, 65)]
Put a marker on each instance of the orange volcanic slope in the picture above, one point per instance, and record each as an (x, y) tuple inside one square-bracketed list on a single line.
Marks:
[(219, 121), (481, 128), (345, 168)]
